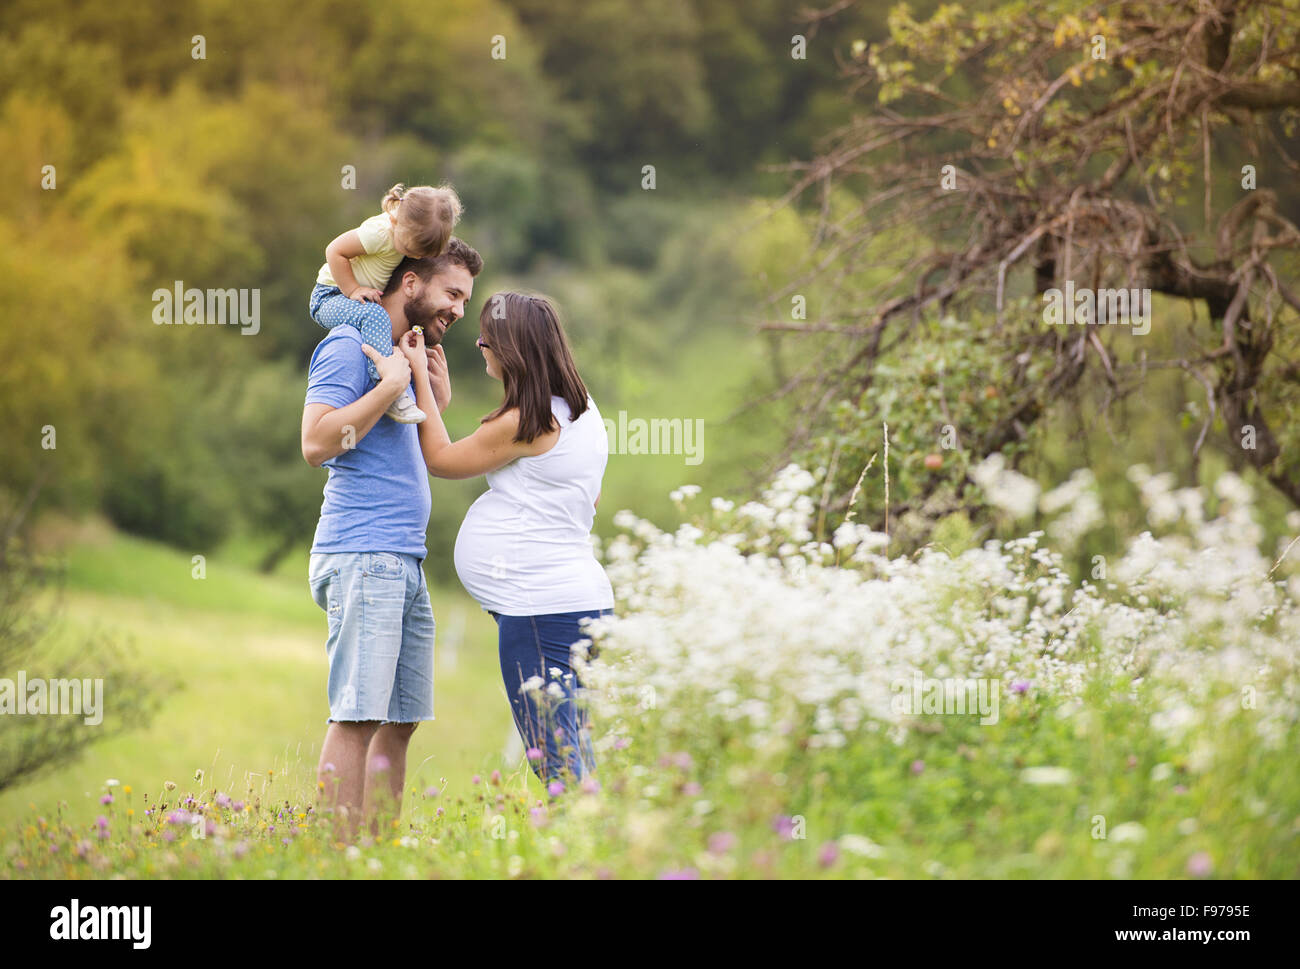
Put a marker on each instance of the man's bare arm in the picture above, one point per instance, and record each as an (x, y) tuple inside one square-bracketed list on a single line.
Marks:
[(325, 428)]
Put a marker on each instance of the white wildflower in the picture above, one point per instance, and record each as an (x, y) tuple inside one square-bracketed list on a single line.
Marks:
[(1129, 831), (1046, 775), (857, 844)]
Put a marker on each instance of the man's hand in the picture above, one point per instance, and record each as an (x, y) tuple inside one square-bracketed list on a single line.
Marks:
[(439, 376), (366, 294), (394, 369)]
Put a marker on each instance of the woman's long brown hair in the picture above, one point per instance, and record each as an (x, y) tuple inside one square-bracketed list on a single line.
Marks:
[(525, 335)]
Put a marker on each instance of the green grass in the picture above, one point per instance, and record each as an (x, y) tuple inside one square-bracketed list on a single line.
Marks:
[(246, 655)]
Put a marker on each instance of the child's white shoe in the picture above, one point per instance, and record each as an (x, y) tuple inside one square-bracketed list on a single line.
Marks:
[(404, 411)]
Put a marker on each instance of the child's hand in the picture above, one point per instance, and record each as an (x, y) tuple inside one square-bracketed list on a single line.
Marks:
[(366, 294)]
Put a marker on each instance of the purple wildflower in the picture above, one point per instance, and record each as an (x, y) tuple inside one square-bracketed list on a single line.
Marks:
[(721, 842), (829, 854), (783, 825), (680, 875)]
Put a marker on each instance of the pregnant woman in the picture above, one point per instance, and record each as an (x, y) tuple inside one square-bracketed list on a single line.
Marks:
[(524, 550)]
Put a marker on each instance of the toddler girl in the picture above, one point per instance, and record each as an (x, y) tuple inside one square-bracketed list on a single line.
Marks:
[(416, 222)]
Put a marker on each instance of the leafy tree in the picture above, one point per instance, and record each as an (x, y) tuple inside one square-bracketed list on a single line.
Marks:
[(78, 79), (634, 73), (1101, 147)]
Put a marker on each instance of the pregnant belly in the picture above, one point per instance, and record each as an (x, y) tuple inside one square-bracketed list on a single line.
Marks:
[(503, 563), (483, 551)]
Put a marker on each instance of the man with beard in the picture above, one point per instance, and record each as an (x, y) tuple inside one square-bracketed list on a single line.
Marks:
[(365, 570)]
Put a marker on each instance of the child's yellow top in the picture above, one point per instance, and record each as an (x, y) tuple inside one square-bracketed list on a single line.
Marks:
[(381, 258)]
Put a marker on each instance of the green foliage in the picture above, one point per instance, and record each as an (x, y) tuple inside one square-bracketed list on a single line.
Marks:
[(71, 79), (428, 69), (550, 207), (228, 171), (279, 494), (939, 394), (112, 694), (176, 493)]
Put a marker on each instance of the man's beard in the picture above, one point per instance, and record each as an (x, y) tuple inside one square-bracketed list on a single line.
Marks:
[(420, 311)]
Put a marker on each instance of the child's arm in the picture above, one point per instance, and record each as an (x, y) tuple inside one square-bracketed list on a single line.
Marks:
[(337, 254)]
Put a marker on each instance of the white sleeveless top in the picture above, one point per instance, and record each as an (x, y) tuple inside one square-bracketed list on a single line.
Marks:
[(524, 548)]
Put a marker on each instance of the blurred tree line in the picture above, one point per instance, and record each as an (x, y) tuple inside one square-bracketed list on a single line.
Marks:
[(155, 142)]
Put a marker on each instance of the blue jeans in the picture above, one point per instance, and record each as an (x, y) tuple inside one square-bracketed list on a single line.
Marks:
[(552, 721)]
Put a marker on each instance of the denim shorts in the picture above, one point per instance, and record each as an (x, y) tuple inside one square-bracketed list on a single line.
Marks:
[(381, 633)]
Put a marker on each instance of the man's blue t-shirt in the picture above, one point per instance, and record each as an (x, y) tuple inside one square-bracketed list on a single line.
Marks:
[(377, 493)]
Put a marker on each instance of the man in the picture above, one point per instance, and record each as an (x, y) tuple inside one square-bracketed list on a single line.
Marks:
[(370, 542)]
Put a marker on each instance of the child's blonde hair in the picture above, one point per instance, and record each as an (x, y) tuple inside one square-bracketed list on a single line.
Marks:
[(425, 217)]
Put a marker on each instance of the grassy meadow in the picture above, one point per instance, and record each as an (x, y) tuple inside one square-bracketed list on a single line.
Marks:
[(243, 655), (1073, 779)]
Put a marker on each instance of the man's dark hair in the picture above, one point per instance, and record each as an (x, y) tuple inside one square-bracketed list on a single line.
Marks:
[(458, 253)]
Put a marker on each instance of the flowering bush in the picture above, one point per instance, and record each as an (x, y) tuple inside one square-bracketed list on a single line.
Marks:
[(741, 622)]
